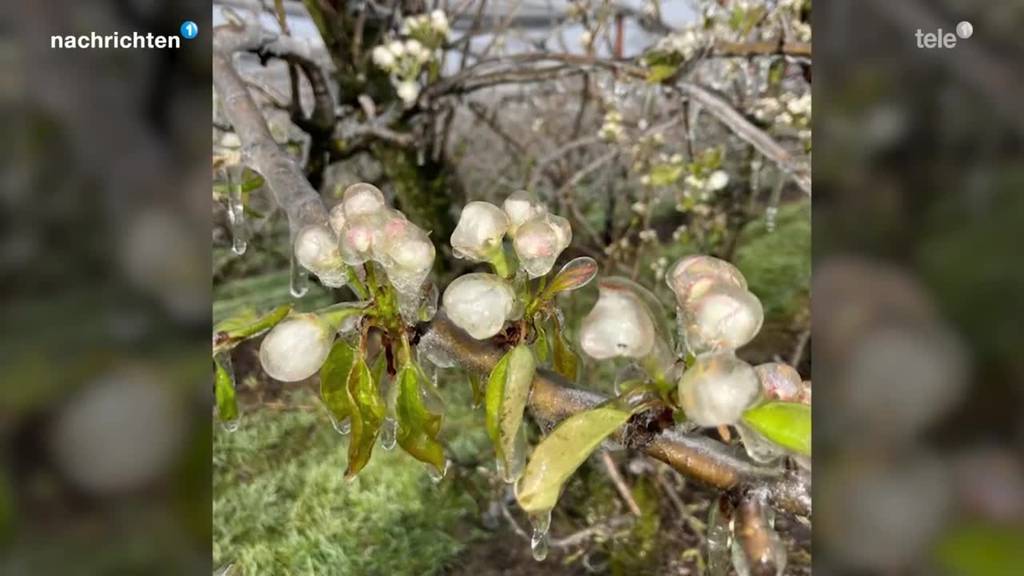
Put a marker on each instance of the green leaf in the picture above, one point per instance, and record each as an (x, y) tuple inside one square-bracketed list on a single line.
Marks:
[(366, 417), (477, 386), (563, 451), (566, 362), (658, 73), (334, 380), (417, 427), (224, 389), (978, 549), (246, 324), (787, 424), (507, 392), (540, 346), (576, 274), (666, 174)]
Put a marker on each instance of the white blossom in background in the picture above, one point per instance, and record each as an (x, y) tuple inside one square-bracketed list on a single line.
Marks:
[(406, 253), (611, 128), (296, 348), (779, 381), (717, 389), (480, 230), (408, 91), (316, 249), (720, 317), (540, 241), (717, 180), (521, 206), (479, 303), (620, 324), (384, 58)]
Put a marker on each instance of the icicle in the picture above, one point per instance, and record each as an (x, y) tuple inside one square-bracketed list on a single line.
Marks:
[(435, 475), (387, 434), (299, 283), (719, 537), (539, 543), (343, 427), (236, 210)]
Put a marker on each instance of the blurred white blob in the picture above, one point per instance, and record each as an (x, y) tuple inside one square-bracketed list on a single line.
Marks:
[(882, 518), (479, 303), (539, 242), (337, 218), (296, 348), (718, 180), (119, 433), (717, 389), (900, 379), (316, 249), (481, 228), (720, 316), (779, 381), (693, 272), (361, 198), (522, 206), (406, 253), (620, 324), (990, 484)]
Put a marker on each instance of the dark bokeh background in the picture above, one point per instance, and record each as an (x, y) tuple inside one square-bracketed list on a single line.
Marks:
[(918, 296), (104, 278)]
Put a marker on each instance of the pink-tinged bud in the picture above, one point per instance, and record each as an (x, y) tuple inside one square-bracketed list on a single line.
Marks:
[(481, 228), (779, 381), (717, 389), (479, 303), (540, 241), (316, 249), (296, 348), (521, 207), (694, 273), (620, 324), (722, 317), (362, 198), (406, 253)]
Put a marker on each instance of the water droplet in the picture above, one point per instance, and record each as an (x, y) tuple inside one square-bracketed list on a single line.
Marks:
[(539, 543), (343, 427), (231, 425), (770, 216), (387, 434), (299, 283), (758, 447), (435, 475), (236, 210), (719, 537)]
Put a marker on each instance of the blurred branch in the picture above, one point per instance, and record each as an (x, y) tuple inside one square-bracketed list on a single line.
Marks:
[(766, 48)]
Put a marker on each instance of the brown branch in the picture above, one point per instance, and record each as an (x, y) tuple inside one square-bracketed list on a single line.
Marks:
[(766, 48)]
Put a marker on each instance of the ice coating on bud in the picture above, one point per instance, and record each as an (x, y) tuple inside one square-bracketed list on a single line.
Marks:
[(779, 381), (337, 218), (693, 274), (722, 317), (362, 198), (479, 303), (481, 228), (540, 241), (316, 249), (296, 348), (717, 389), (355, 241), (405, 252), (619, 325), (521, 207)]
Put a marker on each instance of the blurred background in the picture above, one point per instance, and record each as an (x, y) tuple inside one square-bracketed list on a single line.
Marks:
[(918, 294), (104, 277)]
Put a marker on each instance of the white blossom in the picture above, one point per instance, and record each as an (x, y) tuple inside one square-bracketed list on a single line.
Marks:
[(620, 324), (779, 381), (717, 181), (361, 198), (383, 58), (720, 316), (396, 48), (316, 249), (479, 303), (406, 253), (521, 206), (481, 228), (296, 348), (540, 241), (408, 91), (717, 389), (439, 21), (689, 270)]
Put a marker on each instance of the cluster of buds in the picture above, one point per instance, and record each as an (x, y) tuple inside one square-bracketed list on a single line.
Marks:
[(368, 230), (431, 29), (611, 128), (704, 186), (405, 60), (480, 304), (680, 46), (786, 110)]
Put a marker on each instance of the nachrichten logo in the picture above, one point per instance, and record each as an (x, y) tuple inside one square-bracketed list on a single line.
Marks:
[(132, 40), (940, 39)]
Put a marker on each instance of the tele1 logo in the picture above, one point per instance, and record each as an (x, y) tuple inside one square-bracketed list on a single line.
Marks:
[(940, 39)]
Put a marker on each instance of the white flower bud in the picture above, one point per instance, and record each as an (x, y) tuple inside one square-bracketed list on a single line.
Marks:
[(405, 252), (408, 91), (718, 180), (397, 48), (296, 348), (620, 324), (693, 273), (439, 20), (316, 249), (481, 228), (479, 303), (337, 218), (722, 317), (779, 381), (362, 198), (540, 241), (383, 58), (717, 389), (521, 206)]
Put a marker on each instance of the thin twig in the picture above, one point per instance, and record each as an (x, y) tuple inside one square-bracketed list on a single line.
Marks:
[(620, 483)]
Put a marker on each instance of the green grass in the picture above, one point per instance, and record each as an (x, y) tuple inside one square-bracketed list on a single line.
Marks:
[(282, 505)]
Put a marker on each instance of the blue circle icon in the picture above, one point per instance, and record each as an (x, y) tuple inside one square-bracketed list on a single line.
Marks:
[(189, 30)]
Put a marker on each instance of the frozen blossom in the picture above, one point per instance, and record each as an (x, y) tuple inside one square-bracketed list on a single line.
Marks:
[(779, 381), (693, 272), (620, 324), (296, 348), (717, 180), (717, 389), (720, 317), (406, 253), (362, 198), (520, 207), (408, 91), (316, 249), (540, 241), (481, 228), (479, 303)]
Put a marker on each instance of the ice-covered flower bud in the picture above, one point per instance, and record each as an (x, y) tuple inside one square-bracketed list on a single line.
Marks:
[(717, 389), (520, 207), (336, 217), (406, 253), (316, 249), (779, 381), (620, 324), (362, 198), (383, 58), (721, 317), (479, 303), (481, 228), (539, 242), (693, 274), (718, 180), (296, 348)]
